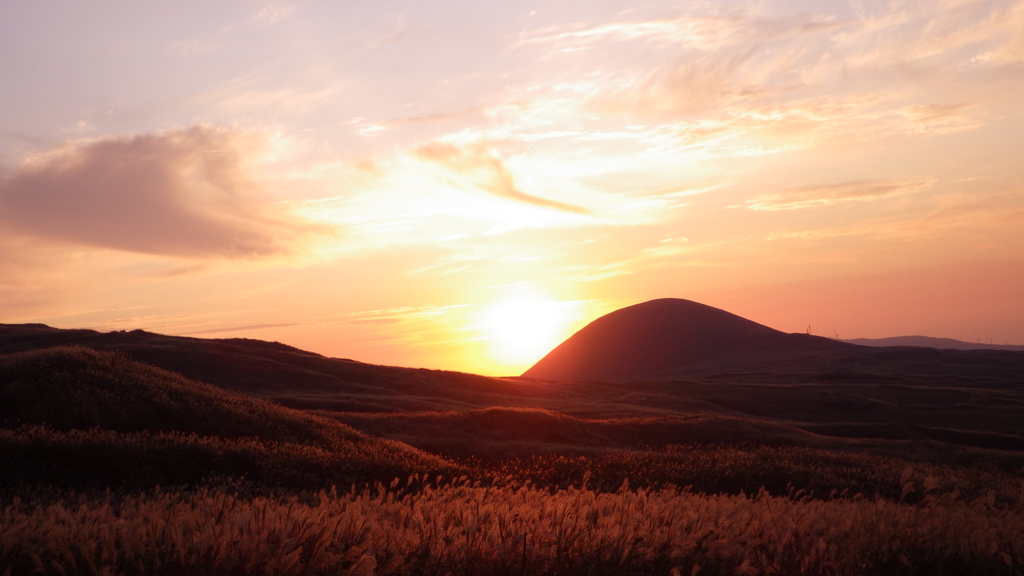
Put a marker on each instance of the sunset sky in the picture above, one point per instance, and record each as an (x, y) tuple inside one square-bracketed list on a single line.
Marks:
[(461, 185)]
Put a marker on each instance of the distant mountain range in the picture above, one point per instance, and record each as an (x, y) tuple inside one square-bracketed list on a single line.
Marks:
[(929, 342)]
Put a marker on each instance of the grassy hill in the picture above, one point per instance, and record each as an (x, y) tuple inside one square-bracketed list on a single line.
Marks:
[(284, 374), (371, 415), (711, 452), (164, 455), (74, 416)]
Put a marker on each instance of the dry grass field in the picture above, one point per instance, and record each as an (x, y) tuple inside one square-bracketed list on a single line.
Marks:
[(109, 465), (420, 528)]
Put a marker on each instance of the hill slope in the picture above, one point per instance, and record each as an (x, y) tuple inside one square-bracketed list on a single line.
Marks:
[(657, 339), (77, 416), (77, 388), (290, 376), (671, 339)]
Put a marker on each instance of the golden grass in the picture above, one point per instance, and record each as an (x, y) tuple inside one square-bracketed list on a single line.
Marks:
[(750, 468), (417, 527)]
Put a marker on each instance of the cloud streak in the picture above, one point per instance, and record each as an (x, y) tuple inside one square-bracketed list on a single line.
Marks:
[(179, 193), (702, 32), (816, 196), (239, 328), (482, 169)]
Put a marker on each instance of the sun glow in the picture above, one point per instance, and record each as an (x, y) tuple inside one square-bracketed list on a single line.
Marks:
[(521, 330)]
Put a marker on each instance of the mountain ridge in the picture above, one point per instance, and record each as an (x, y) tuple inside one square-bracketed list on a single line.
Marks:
[(671, 338), (932, 342)]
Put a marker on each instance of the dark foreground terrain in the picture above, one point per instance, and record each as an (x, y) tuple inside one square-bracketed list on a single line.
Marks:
[(136, 453)]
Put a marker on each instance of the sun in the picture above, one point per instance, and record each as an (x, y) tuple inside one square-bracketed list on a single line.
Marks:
[(521, 330)]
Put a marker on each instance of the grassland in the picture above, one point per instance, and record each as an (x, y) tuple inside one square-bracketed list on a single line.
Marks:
[(418, 528), (112, 466), (78, 418)]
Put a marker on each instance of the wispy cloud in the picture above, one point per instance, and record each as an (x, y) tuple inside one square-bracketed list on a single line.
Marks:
[(248, 95), (264, 18), (239, 328), (180, 193), (704, 32), (905, 33), (268, 16), (477, 165), (815, 196), (746, 70), (699, 62)]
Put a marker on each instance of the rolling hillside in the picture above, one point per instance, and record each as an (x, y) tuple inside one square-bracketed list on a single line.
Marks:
[(79, 417), (644, 376), (278, 372)]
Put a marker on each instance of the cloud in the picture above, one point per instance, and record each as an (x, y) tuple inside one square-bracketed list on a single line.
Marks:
[(698, 63), (730, 65), (179, 193), (706, 33), (265, 18), (196, 46), (247, 95), (477, 165), (815, 196), (1011, 53), (268, 16), (239, 328), (933, 112)]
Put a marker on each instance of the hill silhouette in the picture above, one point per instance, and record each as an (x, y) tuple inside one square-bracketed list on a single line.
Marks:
[(930, 342), (661, 338), (670, 339), (76, 416), (290, 376), (77, 388)]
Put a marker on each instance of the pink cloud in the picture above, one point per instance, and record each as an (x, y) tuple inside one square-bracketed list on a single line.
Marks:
[(180, 193)]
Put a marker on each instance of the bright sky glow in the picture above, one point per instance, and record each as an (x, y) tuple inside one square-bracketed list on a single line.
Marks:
[(521, 328), (460, 185)]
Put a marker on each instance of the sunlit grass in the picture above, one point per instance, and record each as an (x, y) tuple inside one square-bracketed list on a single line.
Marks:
[(419, 527)]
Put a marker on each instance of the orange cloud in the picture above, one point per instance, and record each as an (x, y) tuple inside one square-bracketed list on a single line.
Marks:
[(702, 32), (179, 193), (486, 171), (814, 196)]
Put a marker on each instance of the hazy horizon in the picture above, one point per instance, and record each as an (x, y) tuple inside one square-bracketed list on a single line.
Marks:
[(458, 185)]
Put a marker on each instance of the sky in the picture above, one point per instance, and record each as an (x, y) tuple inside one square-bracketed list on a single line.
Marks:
[(461, 185)]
